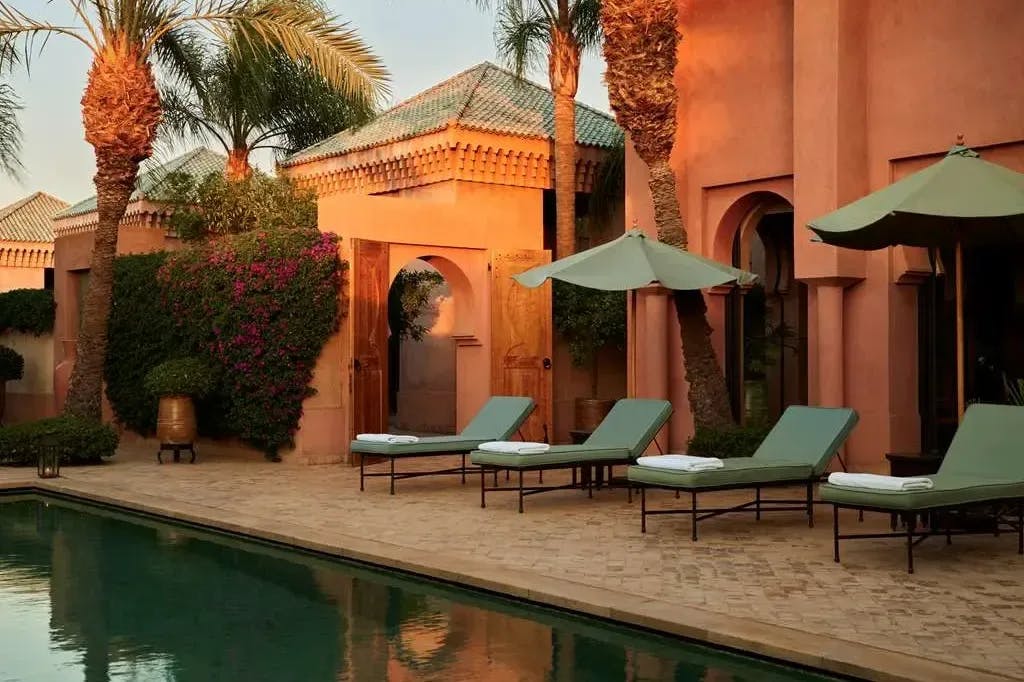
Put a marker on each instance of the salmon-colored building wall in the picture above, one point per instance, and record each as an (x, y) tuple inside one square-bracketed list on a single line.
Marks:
[(818, 102)]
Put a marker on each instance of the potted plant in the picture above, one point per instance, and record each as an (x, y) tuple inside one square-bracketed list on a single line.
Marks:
[(589, 320), (176, 383), (12, 368)]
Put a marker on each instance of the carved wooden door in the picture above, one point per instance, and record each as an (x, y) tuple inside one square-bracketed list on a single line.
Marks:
[(370, 284), (521, 338)]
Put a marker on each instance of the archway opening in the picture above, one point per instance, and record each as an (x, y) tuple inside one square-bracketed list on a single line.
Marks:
[(766, 366), (421, 351)]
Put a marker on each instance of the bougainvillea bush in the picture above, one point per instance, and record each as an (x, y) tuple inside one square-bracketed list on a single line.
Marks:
[(259, 306)]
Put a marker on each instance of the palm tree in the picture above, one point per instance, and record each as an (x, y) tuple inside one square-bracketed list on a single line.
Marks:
[(640, 41), (260, 99), (10, 129), (561, 30), (121, 107)]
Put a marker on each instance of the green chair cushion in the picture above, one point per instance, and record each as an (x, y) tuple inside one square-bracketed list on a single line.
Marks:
[(435, 445), (810, 435), (988, 444), (558, 454), (738, 471), (950, 490), (631, 424)]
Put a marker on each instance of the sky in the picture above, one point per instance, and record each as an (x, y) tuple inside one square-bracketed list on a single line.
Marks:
[(422, 42)]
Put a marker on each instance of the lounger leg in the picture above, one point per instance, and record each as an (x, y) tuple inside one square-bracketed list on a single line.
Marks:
[(392, 475), (520, 491), (693, 515), (1020, 527), (893, 521), (463, 468), (860, 515), (835, 533), (483, 486), (574, 477), (810, 504), (911, 527), (495, 478), (629, 492), (757, 504), (949, 536), (995, 518), (362, 468), (643, 509)]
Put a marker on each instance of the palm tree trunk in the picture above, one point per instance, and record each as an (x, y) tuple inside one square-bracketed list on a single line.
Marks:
[(238, 167), (564, 69), (708, 394), (115, 181)]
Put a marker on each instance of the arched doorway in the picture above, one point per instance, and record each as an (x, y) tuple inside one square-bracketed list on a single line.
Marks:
[(421, 351), (766, 324)]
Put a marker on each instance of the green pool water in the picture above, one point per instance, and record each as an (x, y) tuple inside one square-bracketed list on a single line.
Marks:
[(95, 595)]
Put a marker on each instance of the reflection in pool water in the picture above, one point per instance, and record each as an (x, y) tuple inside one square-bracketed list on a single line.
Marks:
[(91, 595)]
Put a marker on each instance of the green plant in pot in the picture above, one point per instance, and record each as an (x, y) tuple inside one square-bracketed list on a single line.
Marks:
[(589, 320), (176, 383), (12, 368)]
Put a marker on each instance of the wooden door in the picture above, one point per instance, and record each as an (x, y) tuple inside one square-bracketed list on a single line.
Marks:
[(370, 284), (521, 338)]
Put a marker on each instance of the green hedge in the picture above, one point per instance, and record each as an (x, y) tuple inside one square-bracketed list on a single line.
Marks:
[(739, 441), (30, 311), (140, 336), (82, 441), (180, 376)]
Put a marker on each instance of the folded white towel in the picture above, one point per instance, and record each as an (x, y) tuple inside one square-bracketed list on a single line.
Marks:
[(681, 462), (513, 447), (388, 438), (877, 482)]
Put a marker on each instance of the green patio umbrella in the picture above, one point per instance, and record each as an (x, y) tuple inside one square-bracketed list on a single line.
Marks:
[(635, 261), (958, 200)]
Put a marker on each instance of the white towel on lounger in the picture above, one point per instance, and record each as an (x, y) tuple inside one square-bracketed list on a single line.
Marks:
[(390, 439), (513, 447), (681, 462), (877, 482)]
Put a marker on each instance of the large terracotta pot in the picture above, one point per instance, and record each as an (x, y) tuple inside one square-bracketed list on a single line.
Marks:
[(176, 420), (590, 412)]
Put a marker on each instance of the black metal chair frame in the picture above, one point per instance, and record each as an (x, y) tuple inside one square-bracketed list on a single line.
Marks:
[(391, 474), (915, 536), (757, 506)]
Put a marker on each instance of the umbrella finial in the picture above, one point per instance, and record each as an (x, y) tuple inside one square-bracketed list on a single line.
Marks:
[(960, 140)]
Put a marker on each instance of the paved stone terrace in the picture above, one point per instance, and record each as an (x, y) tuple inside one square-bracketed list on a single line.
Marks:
[(743, 582)]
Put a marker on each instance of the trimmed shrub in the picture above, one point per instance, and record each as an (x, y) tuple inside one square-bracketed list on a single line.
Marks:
[(30, 311), (140, 336), (259, 308), (739, 441), (12, 365), (181, 376), (82, 441)]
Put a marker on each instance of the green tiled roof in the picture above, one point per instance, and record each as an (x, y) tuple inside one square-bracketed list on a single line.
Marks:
[(198, 162), (31, 219), (487, 98)]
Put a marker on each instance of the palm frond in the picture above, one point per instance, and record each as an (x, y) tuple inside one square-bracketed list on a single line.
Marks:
[(609, 188), (10, 132), (585, 22), (522, 36), (15, 25), (180, 54)]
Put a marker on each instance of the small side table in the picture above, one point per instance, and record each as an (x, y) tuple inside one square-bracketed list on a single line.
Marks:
[(587, 472)]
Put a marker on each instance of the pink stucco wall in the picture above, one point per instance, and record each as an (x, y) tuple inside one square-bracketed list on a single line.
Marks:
[(818, 102)]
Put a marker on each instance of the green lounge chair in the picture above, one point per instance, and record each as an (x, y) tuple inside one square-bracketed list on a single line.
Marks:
[(623, 435), (498, 419), (796, 451), (983, 468)]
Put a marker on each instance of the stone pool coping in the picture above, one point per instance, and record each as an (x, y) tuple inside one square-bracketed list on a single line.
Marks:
[(827, 653)]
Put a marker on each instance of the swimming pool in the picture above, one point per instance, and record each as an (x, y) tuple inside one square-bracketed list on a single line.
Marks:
[(95, 595)]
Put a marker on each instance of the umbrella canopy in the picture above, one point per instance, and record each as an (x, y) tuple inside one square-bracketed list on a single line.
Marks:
[(634, 261), (958, 199)]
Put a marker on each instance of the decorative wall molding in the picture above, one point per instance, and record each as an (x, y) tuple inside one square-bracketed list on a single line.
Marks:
[(139, 214), (26, 256)]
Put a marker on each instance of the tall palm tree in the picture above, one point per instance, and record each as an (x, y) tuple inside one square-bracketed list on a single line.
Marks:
[(10, 105), (121, 107), (561, 30), (260, 99), (640, 41)]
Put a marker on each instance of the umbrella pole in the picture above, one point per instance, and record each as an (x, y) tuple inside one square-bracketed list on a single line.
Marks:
[(631, 342), (933, 352), (960, 330)]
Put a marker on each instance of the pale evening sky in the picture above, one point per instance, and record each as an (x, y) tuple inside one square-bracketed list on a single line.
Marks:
[(422, 42)]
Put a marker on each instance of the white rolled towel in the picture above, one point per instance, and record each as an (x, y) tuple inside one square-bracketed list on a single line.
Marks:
[(681, 462), (514, 447), (878, 482), (390, 439)]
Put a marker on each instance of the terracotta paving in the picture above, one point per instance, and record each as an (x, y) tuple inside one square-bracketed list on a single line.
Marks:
[(964, 606)]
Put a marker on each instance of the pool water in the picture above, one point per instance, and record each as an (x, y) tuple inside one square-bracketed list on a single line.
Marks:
[(95, 595)]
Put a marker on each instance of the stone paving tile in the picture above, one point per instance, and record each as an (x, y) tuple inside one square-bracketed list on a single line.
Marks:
[(964, 606)]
